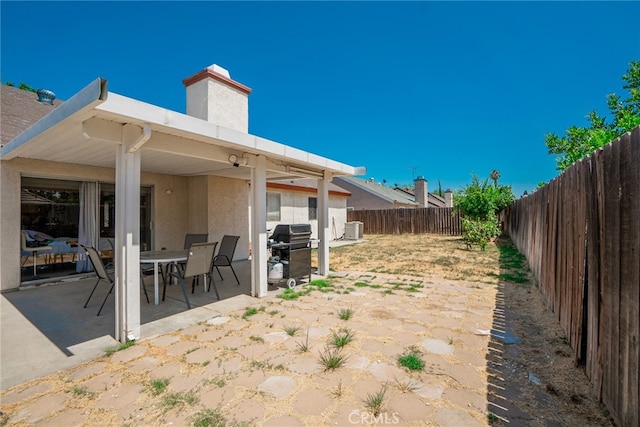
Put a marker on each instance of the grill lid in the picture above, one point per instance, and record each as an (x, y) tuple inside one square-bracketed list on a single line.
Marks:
[(291, 232)]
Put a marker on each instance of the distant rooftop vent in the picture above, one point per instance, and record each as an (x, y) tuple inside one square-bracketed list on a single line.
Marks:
[(46, 96)]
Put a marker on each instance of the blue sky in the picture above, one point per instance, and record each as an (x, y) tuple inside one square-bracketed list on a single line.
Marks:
[(438, 89)]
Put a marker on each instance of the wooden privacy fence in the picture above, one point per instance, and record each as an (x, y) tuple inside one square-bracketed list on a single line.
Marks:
[(408, 220), (581, 236)]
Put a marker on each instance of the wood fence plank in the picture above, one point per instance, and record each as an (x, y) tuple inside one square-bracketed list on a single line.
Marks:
[(612, 278), (629, 279), (592, 266)]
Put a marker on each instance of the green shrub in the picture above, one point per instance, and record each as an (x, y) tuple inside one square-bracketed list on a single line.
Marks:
[(479, 232)]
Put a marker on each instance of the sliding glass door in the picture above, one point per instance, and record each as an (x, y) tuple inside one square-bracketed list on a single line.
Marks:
[(55, 213)]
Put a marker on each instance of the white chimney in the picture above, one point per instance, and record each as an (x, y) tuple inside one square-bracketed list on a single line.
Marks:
[(214, 97), (421, 192), (448, 199)]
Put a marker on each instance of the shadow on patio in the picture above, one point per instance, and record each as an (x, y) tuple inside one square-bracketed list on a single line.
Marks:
[(45, 328)]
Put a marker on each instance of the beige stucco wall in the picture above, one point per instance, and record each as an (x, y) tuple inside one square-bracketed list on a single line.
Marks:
[(294, 210), (198, 211), (228, 210), (194, 205)]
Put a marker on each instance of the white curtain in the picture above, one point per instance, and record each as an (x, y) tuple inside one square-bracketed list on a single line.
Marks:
[(87, 226)]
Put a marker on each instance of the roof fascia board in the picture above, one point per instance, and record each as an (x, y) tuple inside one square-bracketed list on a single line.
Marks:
[(88, 98), (191, 127), (302, 189)]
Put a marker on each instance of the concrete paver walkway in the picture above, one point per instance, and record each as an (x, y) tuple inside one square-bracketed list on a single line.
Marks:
[(252, 368)]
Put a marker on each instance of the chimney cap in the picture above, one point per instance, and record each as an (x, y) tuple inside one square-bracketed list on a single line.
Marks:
[(421, 178), (218, 73), (220, 70)]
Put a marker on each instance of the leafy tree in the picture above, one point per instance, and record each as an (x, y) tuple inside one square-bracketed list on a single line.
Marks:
[(479, 204), (578, 142)]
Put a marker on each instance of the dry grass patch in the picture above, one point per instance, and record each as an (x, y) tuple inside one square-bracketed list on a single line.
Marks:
[(418, 255)]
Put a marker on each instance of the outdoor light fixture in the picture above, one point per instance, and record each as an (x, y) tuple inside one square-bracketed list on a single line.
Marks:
[(233, 159)]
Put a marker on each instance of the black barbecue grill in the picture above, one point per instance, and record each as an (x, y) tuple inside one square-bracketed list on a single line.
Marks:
[(291, 244)]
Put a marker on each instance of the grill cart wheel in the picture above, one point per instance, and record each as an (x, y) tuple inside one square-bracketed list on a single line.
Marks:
[(291, 283)]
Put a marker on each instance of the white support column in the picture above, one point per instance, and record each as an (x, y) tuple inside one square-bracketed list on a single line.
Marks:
[(323, 224), (127, 256), (259, 284)]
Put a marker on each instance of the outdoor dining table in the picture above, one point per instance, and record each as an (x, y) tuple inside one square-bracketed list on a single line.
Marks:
[(161, 257)]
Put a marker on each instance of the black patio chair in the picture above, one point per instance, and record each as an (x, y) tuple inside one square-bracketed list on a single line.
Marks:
[(224, 258), (103, 276)]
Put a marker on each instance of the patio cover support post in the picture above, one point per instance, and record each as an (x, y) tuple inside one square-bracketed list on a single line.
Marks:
[(127, 256), (323, 224), (259, 285)]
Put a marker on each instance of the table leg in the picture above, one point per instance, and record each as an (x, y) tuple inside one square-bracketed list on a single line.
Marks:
[(155, 283)]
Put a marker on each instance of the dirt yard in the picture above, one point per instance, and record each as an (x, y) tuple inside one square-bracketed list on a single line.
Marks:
[(408, 331)]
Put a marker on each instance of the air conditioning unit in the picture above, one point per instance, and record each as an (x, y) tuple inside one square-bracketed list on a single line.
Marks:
[(353, 230)]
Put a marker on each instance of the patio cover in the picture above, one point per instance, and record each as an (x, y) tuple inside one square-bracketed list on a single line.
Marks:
[(99, 128)]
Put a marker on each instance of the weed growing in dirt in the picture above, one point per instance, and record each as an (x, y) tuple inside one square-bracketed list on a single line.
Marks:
[(292, 330), (375, 402), (218, 382), (208, 418), (179, 398), (256, 338), (250, 311), (304, 347), (407, 385), (122, 346), (273, 312), (337, 392), (321, 284), (492, 418), (361, 284), (259, 364), (290, 294), (345, 313), (517, 277), (341, 338), (332, 359), (158, 386), (81, 391), (412, 359)]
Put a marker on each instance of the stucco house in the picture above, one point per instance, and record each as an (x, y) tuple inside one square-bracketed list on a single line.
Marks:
[(371, 195), (147, 175), (295, 201)]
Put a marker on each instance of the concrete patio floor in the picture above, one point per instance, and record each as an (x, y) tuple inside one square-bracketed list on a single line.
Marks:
[(45, 328)]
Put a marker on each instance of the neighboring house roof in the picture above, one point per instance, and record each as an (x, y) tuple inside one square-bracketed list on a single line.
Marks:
[(309, 185), (434, 200), (20, 109), (397, 196), (376, 189)]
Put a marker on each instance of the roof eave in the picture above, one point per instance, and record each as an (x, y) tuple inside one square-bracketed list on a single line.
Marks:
[(195, 128), (91, 96)]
